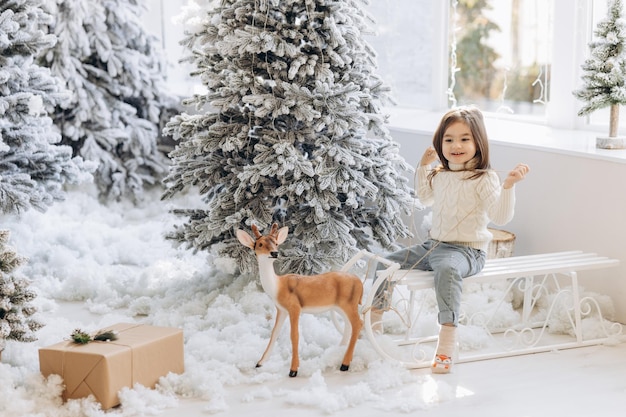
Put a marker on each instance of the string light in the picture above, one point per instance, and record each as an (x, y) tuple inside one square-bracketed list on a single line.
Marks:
[(453, 58)]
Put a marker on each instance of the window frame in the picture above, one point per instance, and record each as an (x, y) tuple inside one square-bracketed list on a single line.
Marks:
[(568, 52)]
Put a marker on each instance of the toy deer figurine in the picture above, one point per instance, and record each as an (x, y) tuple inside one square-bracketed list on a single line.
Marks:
[(293, 294)]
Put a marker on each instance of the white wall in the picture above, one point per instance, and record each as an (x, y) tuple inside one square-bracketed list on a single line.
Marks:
[(567, 202)]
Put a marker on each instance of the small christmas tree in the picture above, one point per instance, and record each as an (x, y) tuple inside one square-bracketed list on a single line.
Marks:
[(605, 71), (290, 131), (16, 311)]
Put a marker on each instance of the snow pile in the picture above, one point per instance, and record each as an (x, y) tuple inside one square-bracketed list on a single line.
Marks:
[(114, 261)]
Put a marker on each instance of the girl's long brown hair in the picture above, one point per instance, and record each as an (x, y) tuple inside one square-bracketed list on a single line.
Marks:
[(473, 118)]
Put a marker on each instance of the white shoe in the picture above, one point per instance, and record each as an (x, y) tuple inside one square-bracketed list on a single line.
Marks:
[(442, 364)]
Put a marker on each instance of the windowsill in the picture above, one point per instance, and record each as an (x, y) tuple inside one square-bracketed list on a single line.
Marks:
[(517, 134)]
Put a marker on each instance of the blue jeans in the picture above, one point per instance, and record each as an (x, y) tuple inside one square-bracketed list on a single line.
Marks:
[(450, 263)]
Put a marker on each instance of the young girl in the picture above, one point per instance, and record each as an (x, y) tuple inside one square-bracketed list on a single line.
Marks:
[(465, 195)]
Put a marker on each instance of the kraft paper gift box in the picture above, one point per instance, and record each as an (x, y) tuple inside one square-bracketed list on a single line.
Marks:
[(141, 354)]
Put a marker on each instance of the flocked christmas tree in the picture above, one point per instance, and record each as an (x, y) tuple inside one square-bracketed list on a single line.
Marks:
[(290, 130), (116, 72), (33, 167), (604, 78), (17, 313)]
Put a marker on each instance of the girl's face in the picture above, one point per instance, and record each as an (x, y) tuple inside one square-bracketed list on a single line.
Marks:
[(458, 145)]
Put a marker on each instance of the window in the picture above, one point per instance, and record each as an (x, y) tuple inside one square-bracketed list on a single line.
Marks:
[(530, 58), (408, 59), (536, 57), (161, 21), (497, 54), (500, 54)]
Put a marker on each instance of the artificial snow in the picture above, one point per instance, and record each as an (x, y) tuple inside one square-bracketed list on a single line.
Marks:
[(94, 266)]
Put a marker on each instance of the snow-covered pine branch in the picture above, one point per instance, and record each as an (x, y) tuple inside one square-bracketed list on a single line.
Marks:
[(17, 313), (33, 166), (116, 72)]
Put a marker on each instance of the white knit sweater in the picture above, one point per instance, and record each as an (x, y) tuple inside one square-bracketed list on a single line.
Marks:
[(462, 208)]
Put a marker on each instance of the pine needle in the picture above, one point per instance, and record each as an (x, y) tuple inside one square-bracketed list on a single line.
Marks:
[(81, 337)]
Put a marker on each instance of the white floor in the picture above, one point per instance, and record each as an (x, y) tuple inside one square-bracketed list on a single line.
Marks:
[(587, 381)]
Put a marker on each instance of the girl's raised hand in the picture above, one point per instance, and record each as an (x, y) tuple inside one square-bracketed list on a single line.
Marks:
[(517, 174), (430, 156)]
